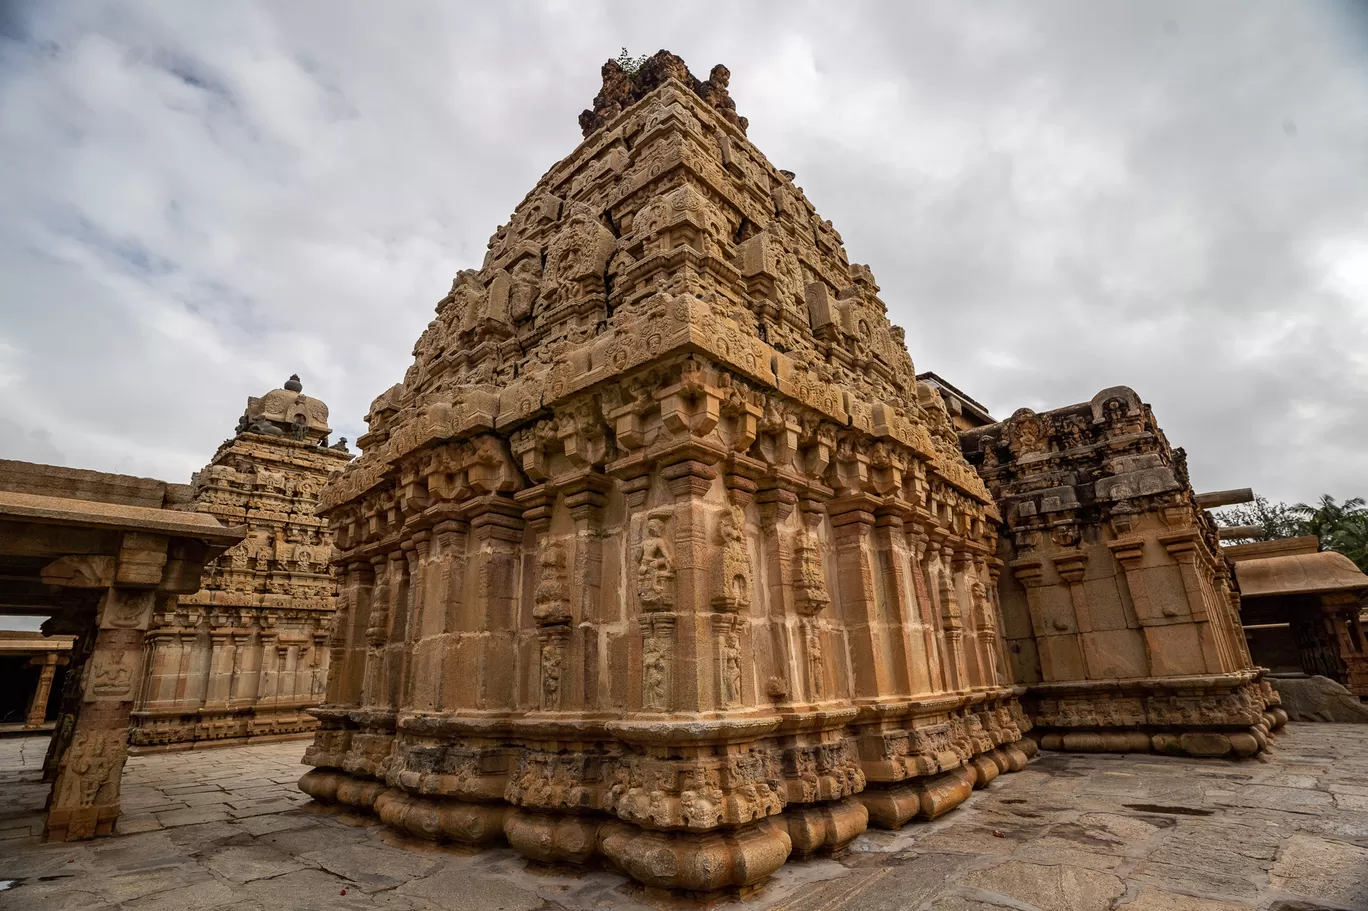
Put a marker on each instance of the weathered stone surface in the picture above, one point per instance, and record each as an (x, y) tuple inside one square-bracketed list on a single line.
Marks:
[(1118, 603), (460, 891), (1323, 870), (1319, 698), (1061, 811), (245, 656), (251, 862), (1150, 899), (1054, 887), (660, 553)]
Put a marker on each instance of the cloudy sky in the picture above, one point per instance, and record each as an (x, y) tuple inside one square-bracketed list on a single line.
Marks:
[(198, 199)]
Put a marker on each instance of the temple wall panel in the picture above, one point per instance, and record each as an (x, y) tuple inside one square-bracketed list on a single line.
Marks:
[(245, 656)]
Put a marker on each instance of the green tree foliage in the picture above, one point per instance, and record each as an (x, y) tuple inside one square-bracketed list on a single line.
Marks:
[(1276, 519), (629, 63), (1340, 527)]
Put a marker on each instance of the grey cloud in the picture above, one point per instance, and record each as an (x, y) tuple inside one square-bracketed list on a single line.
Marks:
[(201, 200), (28, 445)]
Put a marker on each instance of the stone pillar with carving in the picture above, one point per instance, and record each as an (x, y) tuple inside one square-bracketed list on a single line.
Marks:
[(149, 569), (36, 716)]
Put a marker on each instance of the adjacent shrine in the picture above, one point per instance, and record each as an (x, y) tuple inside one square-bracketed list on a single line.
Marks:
[(241, 659), (660, 553), (1119, 606)]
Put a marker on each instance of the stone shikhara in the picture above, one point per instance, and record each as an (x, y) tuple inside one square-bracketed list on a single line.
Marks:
[(661, 554), (242, 658)]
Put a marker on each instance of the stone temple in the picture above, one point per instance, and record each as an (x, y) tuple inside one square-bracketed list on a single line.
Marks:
[(661, 555), (241, 659)]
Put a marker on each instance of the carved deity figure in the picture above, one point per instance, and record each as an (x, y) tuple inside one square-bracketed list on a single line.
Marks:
[(525, 286), (92, 757), (1025, 433), (112, 674), (653, 667), (550, 597), (731, 668), (983, 607), (655, 568), (734, 588), (950, 608), (812, 636), (551, 660)]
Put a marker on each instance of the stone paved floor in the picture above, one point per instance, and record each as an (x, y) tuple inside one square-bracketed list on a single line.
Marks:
[(226, 829)]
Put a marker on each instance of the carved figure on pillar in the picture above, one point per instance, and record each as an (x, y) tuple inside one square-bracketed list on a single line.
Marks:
[(655, 567), (733, 586)]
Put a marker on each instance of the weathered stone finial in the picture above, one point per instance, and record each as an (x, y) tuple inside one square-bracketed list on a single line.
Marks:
[(293, 384), (622, 89)]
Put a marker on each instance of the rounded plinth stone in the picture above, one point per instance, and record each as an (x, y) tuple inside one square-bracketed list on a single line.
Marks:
[(553, 839), (825, 828), (891, 807), (442, 820), (685, 862)]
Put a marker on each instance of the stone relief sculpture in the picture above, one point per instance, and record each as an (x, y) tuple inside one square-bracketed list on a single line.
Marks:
[(655, 567), (734, 575)]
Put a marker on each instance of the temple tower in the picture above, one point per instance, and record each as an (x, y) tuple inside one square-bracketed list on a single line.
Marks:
[(242, 658), (660, 552)]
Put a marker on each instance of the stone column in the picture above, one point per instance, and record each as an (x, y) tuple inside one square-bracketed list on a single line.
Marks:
[(926, 608), (249, 681), (952, 623), (1166, 658), (776, 504), (349, 651), (907, 649), (186, 695), (1059, 656), (37, 710), (993, 567), (852, 520), (377, 634), (978, 673), (85, 794), (487, 661), (1071, 568), (585, 495), (689, 667), (425, 629), (453, 617), (1185, 548)]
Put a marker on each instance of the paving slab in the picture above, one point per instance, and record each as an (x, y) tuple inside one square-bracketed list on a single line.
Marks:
[(1075, 832)]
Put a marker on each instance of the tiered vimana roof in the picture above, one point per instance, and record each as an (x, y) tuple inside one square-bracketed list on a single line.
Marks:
[(240, 659), (659, 553)]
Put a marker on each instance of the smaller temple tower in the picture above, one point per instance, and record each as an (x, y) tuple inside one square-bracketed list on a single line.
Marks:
[(242, 658)]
